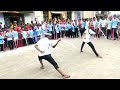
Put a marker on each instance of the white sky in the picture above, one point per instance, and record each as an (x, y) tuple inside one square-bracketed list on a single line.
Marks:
[(115, 12)]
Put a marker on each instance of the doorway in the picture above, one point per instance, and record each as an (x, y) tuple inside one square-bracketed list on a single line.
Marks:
[(12, 19), (57, 16)]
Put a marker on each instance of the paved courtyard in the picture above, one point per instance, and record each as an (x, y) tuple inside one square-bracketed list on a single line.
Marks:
[(23, 63)]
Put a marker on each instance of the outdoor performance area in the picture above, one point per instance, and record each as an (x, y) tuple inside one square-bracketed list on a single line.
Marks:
[(23, 62)]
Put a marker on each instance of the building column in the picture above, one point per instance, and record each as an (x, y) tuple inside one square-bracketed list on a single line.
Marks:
[(2, 20), (49, 15)]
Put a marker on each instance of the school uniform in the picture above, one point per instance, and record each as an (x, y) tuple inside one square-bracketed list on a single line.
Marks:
[(1, 43), (15, 36), (73, 31), (50, 28), (76, 30), (69, 30), (114, 28), (31, 37), (25, 38), (66, 30), (57, 31), (83, 24), (10, 40), (39, 31), (103, 26), (62, 30), (109, 29)]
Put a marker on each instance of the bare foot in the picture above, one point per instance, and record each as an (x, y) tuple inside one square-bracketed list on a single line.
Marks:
[(65, 76), (42, 67), (99, 56), (81, 51)]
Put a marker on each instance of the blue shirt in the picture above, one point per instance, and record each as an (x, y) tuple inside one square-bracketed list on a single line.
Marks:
[(62, 27), (114, 23), (15, 35), (73, 28), (38, 31), (9, 35), (49, 27), (83, 24), (66, 28), (1, 39), (57, 28), (76, 26), (30, 33), (69, 26), (24, 34), (109, 24)]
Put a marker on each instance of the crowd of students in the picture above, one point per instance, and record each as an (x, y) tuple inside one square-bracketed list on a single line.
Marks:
[(18, 35)]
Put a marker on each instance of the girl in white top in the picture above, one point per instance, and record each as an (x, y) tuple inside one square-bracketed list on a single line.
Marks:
[(15, 35), (87, 39)]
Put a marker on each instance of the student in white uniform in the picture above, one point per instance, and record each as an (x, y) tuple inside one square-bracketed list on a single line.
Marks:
[(43, 47), (87, 39), (1, 41), (15, 35)]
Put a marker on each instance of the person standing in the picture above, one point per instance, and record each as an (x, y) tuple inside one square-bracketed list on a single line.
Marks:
[(109, 28), (15, 35), (87, 39), (9, 36), (83, 25), (43, 47), (1, 41), (114, 27)]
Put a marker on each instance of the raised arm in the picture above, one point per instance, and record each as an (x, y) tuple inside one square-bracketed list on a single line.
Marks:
[(56, 43)]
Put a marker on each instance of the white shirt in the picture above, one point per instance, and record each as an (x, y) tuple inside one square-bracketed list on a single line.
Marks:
[(103, 23), (87, 36), (44, 44)]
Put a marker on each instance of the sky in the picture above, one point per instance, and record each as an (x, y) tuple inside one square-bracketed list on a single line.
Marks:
[(115, 12)]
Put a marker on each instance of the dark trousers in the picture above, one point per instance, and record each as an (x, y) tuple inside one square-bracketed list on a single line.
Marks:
[(114, 32), (6, 44), (109, 32), (104, 30), (73, 34), (62, 34), (49, 59), (70, 33), (10, 44), (67, 33), (82, 31), (31, 41), (91, 45), (1, 46), (24, 41), (76, 32)]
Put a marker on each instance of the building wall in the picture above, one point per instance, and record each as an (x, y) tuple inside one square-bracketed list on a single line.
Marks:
[(88, 14), (29, 17), (2, 19), (39, 15)]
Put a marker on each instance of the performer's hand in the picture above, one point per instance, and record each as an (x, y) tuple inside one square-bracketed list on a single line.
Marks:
[(42, 51), (59, 39)]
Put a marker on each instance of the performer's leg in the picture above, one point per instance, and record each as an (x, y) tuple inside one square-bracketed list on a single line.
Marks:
[(93, 48), (41, 62), (52, 61), (82, 46)]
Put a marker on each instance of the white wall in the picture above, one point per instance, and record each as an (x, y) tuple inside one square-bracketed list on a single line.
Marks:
[(73, 15), (88, 14), (29, 17), (39, 15), (2, 19)]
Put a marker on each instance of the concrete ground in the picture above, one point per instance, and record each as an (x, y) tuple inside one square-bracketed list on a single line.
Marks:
[(23, 63)]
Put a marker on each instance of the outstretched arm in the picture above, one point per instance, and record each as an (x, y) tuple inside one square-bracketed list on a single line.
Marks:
[(56, 43)]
